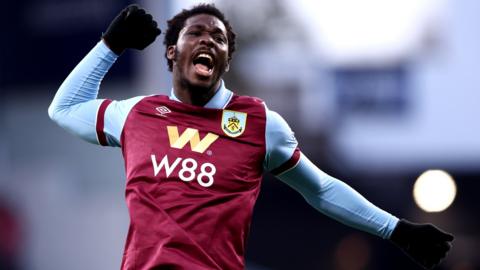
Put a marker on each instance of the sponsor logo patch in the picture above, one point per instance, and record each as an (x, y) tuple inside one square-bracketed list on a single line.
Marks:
[(234, 123), (192, 136)]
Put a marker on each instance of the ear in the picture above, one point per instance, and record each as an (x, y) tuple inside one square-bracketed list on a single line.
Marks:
[(227, 68), (171, 52)]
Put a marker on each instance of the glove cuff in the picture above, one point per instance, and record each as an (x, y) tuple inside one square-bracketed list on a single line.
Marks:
[(401, 233), (118, 50)]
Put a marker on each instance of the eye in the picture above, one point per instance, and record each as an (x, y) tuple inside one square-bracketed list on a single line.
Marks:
[(194, 33), (220, 38)]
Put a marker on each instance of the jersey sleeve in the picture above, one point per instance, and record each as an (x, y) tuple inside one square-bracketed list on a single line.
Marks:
[(282, 153), (337, 200), (110, 119), (76, 108)]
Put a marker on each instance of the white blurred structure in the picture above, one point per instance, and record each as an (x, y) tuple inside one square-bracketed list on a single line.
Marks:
[(440, 127), (369, 32)]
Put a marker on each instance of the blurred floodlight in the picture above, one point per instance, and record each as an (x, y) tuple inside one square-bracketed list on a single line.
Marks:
[(434, 191)]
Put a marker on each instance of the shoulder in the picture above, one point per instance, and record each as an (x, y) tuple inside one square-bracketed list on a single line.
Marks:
[(274, 121), (253, 106), (152, 98), (248, 100), (280, 140), (277, 127), (141, 101)]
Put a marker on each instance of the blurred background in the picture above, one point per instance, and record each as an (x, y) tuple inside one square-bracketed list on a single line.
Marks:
[(379, 93)]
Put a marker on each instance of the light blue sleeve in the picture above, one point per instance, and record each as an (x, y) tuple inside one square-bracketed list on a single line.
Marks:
[(327, 194), (75, 106), (337, 200), (280, 141), (115, 117)]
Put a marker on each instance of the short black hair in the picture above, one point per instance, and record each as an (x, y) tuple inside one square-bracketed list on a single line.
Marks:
[(175, 24)]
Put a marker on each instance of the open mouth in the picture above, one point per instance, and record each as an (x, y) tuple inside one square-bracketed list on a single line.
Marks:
[(203, 64)]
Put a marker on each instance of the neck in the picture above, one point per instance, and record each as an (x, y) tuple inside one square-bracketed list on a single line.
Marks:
[(194, 95)]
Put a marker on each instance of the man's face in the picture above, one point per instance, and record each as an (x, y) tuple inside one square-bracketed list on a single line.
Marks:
[(200, 56)]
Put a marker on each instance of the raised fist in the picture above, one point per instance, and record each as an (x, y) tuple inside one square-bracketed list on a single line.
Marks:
[(133, 27)]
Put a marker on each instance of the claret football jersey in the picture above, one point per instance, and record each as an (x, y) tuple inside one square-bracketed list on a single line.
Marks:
[(193, 175)]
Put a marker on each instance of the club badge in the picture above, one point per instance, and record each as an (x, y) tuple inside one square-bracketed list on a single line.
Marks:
[(233, 123)]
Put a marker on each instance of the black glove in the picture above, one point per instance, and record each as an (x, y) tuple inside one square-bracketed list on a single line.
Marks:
[(424, 243), (132, 28)]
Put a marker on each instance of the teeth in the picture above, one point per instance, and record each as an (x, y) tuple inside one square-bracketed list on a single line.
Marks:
[(206, 56)]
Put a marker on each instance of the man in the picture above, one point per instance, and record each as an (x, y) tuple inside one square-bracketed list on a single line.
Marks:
[(194, 160)]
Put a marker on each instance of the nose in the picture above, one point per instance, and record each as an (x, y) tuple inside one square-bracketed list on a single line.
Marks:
[(206, 40)]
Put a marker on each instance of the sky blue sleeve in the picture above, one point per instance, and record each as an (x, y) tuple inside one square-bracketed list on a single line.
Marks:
[(115, 116), (337, 200), (76, 108), (280, 141)]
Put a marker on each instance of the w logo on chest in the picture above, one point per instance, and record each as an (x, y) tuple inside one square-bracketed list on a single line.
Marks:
[(190, 135)]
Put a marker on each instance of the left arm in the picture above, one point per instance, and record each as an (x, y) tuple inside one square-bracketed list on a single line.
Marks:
[(338, 200), (424, 243), (328, 195)]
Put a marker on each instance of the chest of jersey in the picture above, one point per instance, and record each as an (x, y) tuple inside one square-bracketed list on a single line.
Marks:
[(167, 143), (193, 175)]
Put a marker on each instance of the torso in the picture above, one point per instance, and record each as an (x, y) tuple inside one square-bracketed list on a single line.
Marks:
[(193, 176)]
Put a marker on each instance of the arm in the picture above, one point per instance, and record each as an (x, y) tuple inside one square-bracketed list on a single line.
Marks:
[(328, 195), (337, 200), (424, 243), (76, 107)]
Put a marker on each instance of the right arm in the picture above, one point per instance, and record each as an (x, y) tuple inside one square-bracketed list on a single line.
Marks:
[(76, 107)]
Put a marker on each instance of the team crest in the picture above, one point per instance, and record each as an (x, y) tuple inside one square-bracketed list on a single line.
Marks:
[(233, 123)]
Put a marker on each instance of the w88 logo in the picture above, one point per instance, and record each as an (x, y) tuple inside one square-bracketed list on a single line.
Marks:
[(189, 170)]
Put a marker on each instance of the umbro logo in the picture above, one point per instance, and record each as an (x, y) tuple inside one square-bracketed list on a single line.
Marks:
[(162, 110)]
